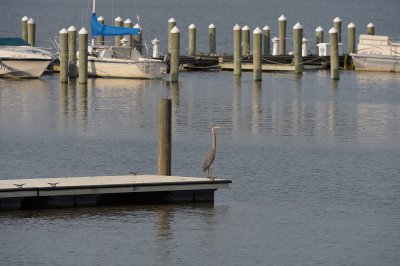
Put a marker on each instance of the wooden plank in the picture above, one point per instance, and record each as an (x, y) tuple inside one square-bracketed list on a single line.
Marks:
[(265, 67)]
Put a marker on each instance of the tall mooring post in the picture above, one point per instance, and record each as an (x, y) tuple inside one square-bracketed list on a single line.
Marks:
[(212, 39), (171, 25), (192, 40), (257, 55), (370, 29), (334, 53), (100, 38), (117, 23), (31, 32), (245, 41), (319, 38), (63, 56), (337, 24), (297, 48), (128, 24), (164, 137), (175, 55), (266, 40), (83, 56), (282, 35), (351, 38), (24, 28), (72, 67), (237, 50)]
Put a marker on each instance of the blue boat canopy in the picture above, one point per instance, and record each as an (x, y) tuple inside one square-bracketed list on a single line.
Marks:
[(13, 41), (99, 29)]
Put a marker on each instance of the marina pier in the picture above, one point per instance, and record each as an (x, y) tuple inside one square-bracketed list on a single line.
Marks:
[(105, 190)]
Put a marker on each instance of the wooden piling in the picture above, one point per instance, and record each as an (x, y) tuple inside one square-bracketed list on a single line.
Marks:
[(171, 25), (128, 24), (63, 56), (24, 28), (31, 32), (282, 35), (100, 38), (72, 67), (192, 40), (297, 48), (138, 38), (164, 137), (212, 39), (117, 23), (237, 52), (337, 24), (370, 29), (245, 40), (351, 38), (319, 38), (83, 56), (257, 55), (266, 40), (175, 54), (334, 54)]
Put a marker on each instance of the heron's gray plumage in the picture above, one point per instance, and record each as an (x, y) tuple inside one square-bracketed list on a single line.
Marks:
[(210, 156)]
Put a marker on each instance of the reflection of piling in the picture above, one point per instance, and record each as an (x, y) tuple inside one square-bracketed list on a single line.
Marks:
[(72, 68), (31, 32), (212, 39), (334, 55), (192, 40), (100, 39), (171, 25), (351, 38), (164, 137), (319, 37), (297, 48), (245, 40), (237, 53), (175, 56), (117, 23), (257, 44), (267, 40), (63, 56), (83, 56), (370, 29), (24, 28), (282, 35)]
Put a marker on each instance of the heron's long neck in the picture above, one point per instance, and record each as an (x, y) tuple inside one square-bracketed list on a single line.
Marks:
[(214, 140)]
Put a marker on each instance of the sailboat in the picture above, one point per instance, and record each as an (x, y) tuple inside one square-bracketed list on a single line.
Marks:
[(120, 61)]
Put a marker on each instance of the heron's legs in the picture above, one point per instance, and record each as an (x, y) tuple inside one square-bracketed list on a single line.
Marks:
[(210, 173)]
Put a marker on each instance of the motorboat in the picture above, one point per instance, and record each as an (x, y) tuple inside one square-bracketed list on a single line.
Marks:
[(120, 61), (377, 53), (18, 59)]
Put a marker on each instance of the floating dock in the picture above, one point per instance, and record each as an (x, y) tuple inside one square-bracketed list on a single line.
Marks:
[(106, 190)]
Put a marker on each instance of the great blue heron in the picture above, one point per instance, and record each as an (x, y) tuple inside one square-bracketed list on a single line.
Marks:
[(210, 156)]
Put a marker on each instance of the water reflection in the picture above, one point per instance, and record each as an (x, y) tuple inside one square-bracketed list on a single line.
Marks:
[(256, 107)]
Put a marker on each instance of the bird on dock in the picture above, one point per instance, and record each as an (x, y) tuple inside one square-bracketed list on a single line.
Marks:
[(210, 156)]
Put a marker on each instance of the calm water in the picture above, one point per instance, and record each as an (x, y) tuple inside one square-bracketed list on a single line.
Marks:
[(314, 163)]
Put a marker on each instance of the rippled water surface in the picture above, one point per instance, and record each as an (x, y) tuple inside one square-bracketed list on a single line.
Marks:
[(314, 163)]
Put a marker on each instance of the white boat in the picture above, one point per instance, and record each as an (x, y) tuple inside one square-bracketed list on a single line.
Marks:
[(377, 53), (20, 60), (121, 61)]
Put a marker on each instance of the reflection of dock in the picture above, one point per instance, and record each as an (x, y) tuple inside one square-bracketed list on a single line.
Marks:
[(105, 190)]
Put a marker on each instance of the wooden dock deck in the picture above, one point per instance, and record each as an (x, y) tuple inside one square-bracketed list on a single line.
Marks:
[(106, 190)]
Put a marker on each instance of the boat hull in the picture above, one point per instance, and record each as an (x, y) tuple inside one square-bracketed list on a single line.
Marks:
[(117, 68), (23, 68), (369, 62)]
